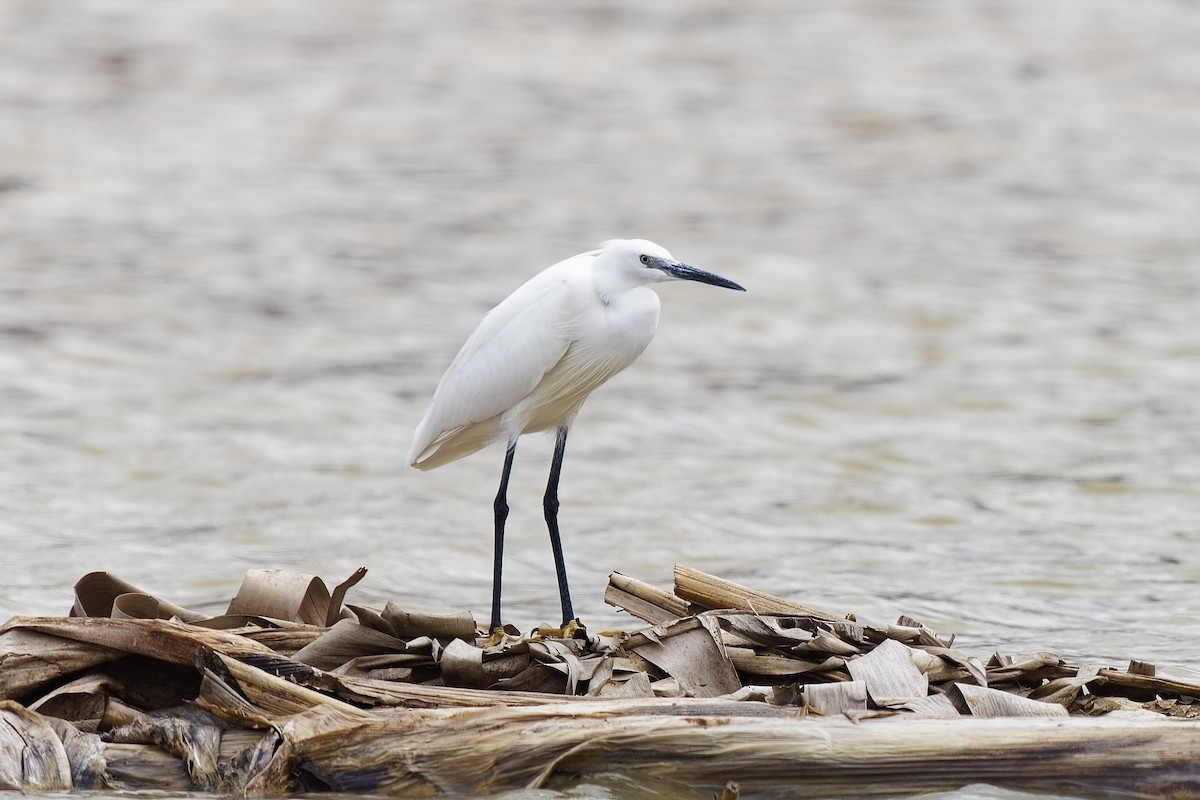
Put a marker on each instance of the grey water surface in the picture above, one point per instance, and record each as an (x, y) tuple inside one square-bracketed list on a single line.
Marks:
[(239, 242)]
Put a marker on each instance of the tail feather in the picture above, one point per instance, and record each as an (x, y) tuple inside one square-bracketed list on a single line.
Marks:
[(459, 443)]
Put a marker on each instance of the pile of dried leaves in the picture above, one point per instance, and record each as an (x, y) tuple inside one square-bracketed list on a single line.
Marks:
[(292, 689)]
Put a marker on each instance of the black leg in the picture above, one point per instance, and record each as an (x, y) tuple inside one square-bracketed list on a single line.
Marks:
[(550, 504), (501, 508)]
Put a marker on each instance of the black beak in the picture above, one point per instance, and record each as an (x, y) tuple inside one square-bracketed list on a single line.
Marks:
[(686, 272)]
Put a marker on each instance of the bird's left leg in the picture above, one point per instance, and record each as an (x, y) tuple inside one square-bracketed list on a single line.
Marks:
[(550, 505)]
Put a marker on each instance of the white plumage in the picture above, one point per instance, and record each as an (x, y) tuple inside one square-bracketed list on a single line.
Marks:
[(536, 357)]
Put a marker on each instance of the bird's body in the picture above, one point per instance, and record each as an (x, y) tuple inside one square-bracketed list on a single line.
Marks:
[(535, 358)]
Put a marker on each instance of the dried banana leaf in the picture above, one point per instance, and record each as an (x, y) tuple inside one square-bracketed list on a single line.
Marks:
[(32, 757), (764, 693), (889, 674)]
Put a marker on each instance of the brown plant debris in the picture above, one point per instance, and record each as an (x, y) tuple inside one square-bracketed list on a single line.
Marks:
[(726, 690)]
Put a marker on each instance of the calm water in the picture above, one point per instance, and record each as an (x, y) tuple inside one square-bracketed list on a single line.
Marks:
[(240, 242)]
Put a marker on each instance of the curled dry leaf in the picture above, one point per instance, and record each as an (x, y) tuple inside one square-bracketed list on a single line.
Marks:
[(293, 690)]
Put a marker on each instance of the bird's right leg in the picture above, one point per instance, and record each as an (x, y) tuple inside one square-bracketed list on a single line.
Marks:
[(501, 509), (550, 504)]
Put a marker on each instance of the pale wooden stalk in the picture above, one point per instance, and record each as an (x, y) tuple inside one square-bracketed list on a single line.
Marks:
[(712, 592), (644, 600), (491, 750)]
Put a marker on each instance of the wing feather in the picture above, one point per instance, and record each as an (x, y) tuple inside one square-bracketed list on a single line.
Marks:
[(500, 364), (559, 395)]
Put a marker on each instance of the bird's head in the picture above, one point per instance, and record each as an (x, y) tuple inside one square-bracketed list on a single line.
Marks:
[(641, 262)]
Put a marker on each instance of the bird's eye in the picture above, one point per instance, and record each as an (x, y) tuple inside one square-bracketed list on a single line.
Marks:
[(645, 260)]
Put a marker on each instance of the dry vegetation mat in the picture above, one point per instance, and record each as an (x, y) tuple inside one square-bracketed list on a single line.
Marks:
[(294, 690)]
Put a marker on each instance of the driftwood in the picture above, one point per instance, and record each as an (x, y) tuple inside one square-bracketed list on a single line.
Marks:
[(291, 690)]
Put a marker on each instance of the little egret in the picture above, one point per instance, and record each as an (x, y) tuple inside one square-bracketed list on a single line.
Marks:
[(536, 357)]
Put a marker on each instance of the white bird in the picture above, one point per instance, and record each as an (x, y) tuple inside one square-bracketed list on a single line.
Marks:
[(536, 357)]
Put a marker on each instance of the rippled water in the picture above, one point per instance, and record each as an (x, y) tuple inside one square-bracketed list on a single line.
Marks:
[(240, 242)]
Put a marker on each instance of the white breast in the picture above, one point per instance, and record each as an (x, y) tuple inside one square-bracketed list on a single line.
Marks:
[(605, 338)]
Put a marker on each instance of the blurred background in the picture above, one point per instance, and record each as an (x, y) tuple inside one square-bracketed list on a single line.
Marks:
[(240, 242)]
